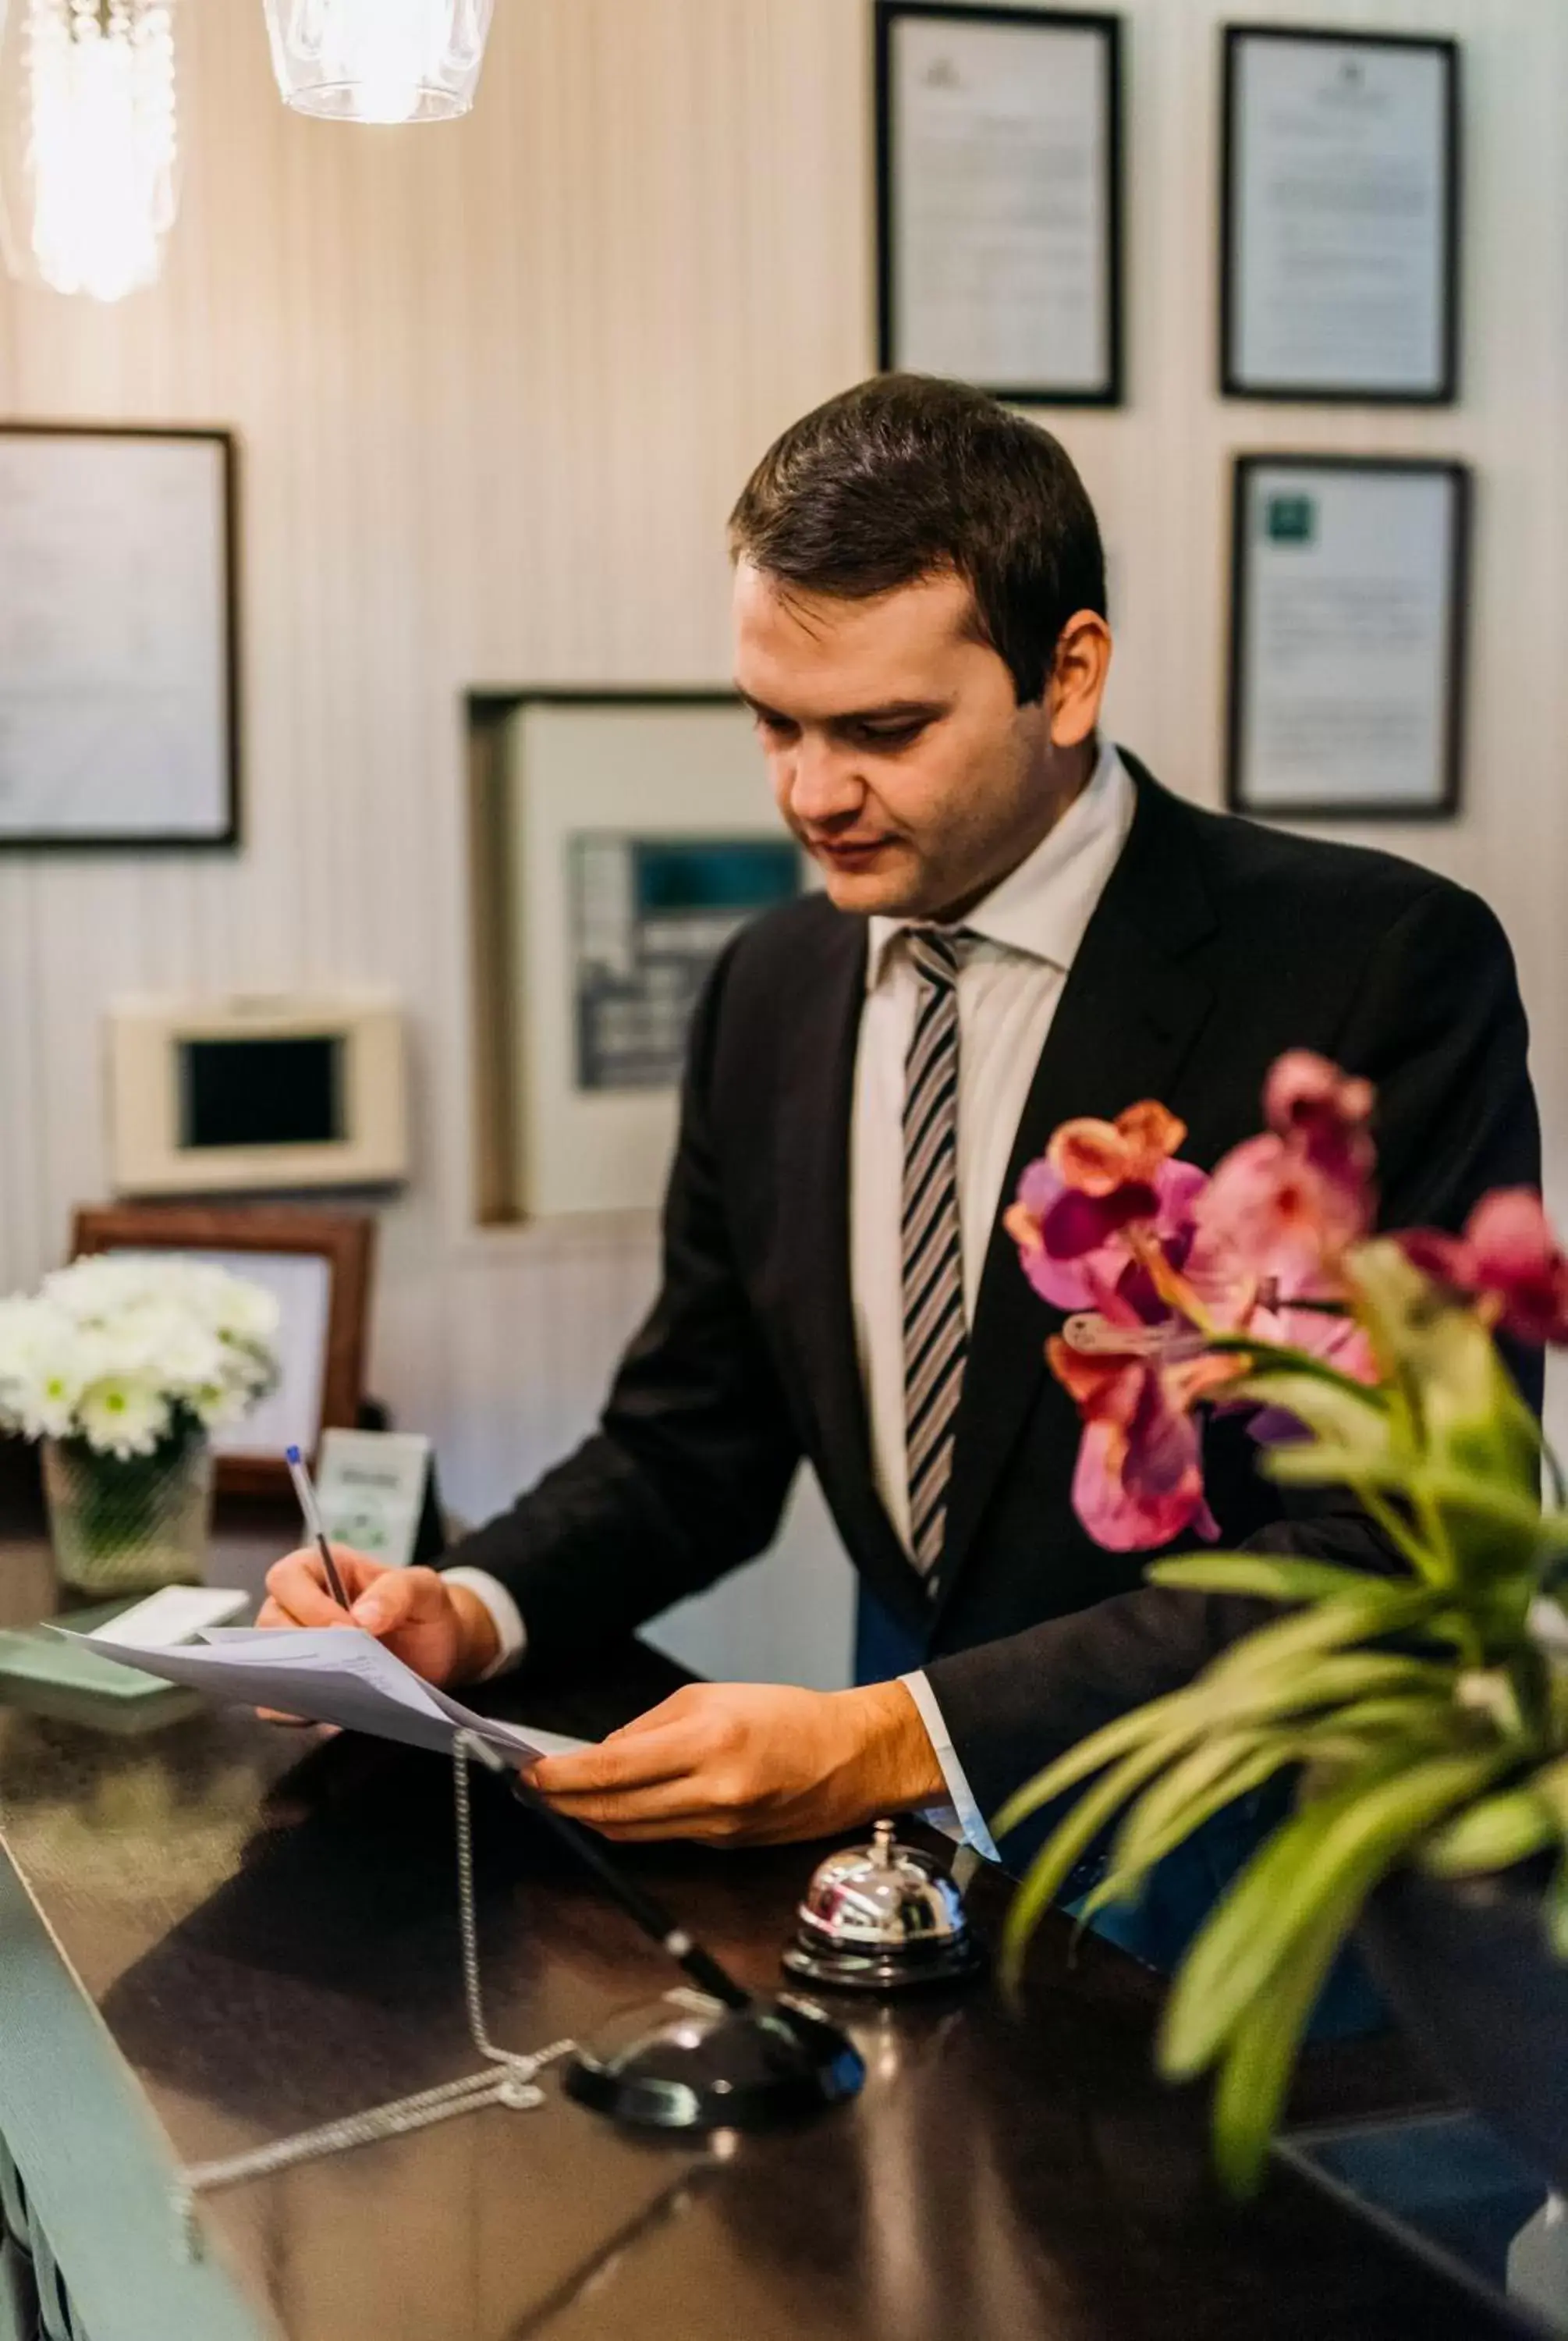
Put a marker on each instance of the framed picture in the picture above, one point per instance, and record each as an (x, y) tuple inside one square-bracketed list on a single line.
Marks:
[(620, 839), (998, 199), (1348, 596), (318, 1264), (1339, 218), (119, 697)]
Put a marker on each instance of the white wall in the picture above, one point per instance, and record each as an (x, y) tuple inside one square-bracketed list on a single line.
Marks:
[(496, 386)]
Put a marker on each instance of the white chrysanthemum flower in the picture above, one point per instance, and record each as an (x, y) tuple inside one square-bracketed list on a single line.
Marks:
[(122, 1416), (44, 1368), (113, 1344)]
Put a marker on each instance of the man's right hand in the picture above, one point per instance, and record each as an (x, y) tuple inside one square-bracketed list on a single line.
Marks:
[(444, 1632)]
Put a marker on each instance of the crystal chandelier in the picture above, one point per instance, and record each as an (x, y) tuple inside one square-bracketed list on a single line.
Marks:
[(378, 60), (88, 142)]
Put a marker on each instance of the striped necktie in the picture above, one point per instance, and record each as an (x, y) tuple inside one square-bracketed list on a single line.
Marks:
[(936, 1339)]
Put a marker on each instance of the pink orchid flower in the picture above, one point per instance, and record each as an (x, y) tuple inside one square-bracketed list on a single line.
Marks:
[(1508, 1258), (1281, 1209), (1139, 1481), (1102, 1191)]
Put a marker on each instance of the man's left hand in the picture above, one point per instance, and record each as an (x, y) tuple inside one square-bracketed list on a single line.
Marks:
[(751, 1764)]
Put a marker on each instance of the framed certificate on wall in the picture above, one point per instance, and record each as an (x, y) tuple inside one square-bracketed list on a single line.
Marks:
[(1349, 589), (119, 719), (1339, 233), (998, 199), (620, 839)]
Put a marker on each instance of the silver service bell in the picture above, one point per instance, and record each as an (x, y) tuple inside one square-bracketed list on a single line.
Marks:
[(881, 1918)]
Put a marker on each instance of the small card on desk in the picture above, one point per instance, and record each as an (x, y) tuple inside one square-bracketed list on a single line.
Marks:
[(176, 1613), (52, 1670)]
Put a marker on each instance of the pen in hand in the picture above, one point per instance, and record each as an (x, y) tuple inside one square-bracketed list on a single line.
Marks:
[(310, 1513)]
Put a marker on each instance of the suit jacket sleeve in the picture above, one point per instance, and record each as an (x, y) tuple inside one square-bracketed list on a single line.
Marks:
[(1437, 1024), (688, 1473)]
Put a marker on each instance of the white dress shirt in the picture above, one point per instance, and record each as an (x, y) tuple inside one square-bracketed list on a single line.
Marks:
[(1010, 978), (1027, 931)]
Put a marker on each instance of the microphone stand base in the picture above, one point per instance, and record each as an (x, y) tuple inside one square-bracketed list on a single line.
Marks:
[(708, 2067)]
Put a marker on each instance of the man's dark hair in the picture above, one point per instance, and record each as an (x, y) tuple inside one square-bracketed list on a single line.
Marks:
[(907, 476)]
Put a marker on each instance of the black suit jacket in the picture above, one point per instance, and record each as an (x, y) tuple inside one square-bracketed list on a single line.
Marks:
[(1216, 945)]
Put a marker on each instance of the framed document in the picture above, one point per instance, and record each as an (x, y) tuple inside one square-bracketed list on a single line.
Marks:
[(998, 199), (1347, 641), (620, 841), (118, 698), (1339, 234)]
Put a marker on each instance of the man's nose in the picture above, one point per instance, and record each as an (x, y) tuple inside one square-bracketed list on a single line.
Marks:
[(822, 784)]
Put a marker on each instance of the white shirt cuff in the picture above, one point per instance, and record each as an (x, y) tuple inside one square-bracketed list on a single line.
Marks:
[(966, 1812), (504, 1615)]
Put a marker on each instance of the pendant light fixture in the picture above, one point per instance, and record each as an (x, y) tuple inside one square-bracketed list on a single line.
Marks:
[(88, 142), (378, 60)]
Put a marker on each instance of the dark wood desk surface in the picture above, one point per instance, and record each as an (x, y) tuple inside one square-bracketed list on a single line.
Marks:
[(265, 1921)]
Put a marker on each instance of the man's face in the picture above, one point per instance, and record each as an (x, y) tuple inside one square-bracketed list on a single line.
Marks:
[(897, 750)]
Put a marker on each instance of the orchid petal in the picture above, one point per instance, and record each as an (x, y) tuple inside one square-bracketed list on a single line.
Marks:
[(1090, 1155)]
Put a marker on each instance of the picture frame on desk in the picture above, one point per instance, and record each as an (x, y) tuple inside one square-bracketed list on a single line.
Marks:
[(119, 638), (319, 1265), (1340, 216), (1349, 602), (976, 110)]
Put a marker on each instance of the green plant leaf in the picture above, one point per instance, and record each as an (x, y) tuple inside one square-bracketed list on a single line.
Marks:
[(1146, 1837), (1273, 1577), (1324, 1860), (1416, 1717), (1281, 1358), (1471, 1415), (1550, 1787), (1279, 1698), (1255, 2074), (1091, 1756), (1493, 1835), (1379, 1605), (1224, 1695), (1216, 1756), (1340, 1413), (1046, 1874)]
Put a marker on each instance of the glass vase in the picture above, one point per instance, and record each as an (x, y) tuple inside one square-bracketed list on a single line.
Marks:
[(129, 1527)]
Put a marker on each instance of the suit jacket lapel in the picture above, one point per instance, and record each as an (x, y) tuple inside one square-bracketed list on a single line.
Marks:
[(1129, 1012)]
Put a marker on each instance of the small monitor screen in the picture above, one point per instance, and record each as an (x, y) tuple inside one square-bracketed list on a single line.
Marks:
[(265, 1092)]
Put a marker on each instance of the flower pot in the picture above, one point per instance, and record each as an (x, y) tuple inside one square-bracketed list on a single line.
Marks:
[(1469, 1972), (130, 1526)]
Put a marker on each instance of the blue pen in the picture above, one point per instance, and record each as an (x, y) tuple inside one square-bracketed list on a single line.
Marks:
[(312, 1519)]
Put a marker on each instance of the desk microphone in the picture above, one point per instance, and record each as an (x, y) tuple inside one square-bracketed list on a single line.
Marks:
[(745, 2061)]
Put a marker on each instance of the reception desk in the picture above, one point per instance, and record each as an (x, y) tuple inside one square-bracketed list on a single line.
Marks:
[(220, 1932)]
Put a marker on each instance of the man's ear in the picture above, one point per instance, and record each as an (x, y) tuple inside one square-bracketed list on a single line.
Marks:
[(1078, 679)]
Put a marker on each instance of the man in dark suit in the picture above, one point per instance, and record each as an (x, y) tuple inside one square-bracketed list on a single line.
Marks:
[(1018, 925)]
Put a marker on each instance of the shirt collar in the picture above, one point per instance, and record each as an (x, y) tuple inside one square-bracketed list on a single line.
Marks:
[(1042, 908)]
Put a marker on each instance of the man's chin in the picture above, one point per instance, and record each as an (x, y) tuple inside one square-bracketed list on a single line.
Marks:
[(872, 892)]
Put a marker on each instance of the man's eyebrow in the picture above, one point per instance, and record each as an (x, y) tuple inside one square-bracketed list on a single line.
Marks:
[(892, 711)]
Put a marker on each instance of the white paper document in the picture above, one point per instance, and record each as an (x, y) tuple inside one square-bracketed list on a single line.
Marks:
[(1347, 691), (1339, 220), (330, 1674), (114, 637), (1001, 236)]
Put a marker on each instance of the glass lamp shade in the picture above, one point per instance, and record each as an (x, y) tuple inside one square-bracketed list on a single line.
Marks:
[(378, 60), (88, 142)]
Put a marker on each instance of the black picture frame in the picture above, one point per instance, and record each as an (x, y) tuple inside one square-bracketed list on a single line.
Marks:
[(1448, 803), (1232, 383), (1109, 28), (228, 838)]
